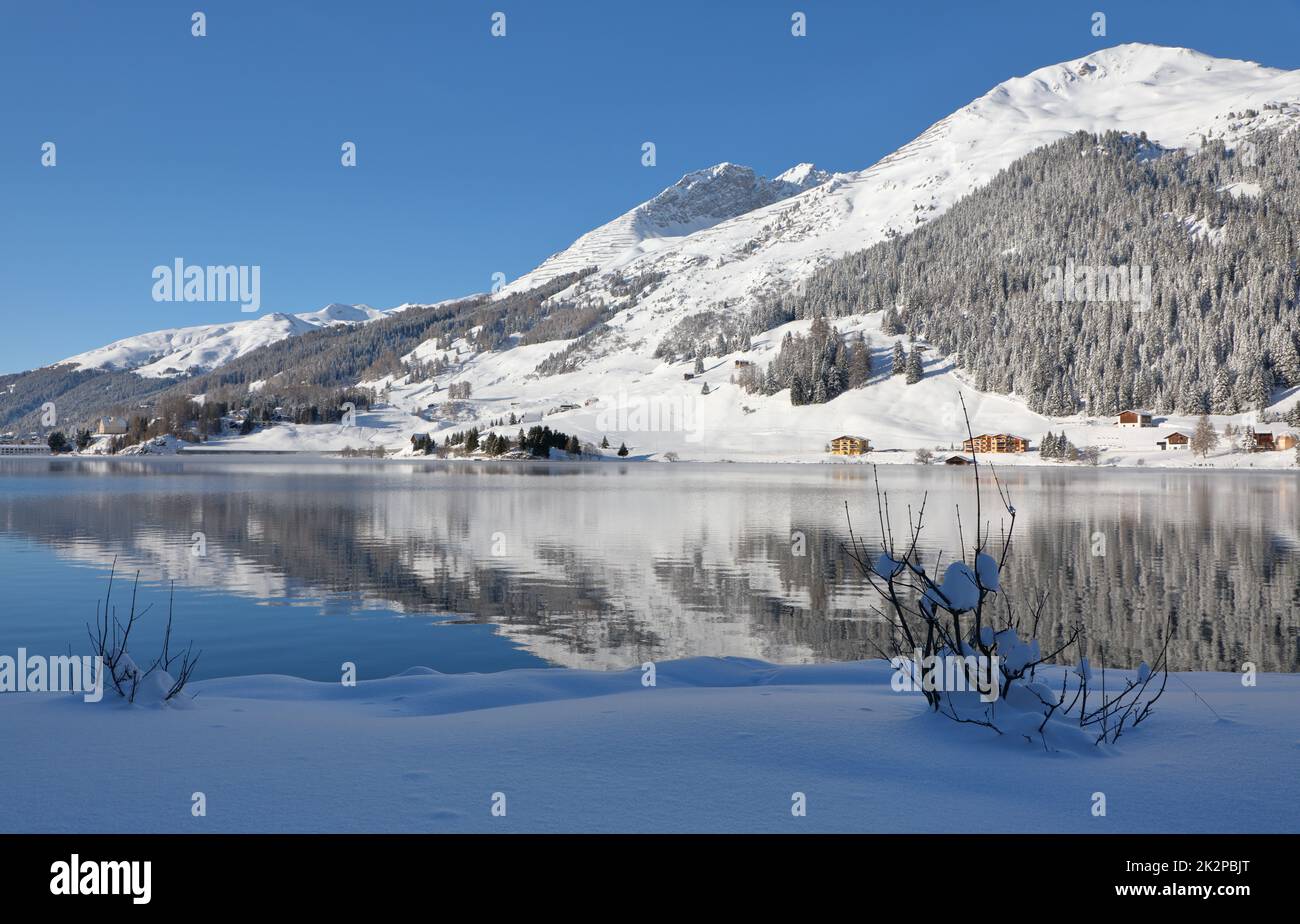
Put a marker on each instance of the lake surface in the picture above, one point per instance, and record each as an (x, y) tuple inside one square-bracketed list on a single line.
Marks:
[(294, 566)]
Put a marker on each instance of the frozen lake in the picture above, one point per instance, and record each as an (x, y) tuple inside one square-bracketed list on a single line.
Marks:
[(293, 566)]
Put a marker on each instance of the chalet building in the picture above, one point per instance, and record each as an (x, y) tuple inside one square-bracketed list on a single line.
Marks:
[(1287, 441), (1134, 419), (115, 426), (996, 442), (742, 363), (1175, 440), (1264, 443), (850, 446), (688, 375), (956, 460)]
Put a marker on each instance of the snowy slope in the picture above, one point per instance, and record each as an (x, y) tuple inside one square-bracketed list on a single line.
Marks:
[(205, 347), (698, 200), (1179, 97)]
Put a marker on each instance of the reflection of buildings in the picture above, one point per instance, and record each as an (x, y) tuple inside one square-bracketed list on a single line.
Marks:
[(710, 568)]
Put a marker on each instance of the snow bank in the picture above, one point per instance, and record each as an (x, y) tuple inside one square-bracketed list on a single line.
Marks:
[(715, 745)]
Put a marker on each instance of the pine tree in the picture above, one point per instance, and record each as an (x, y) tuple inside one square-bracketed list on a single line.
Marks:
[(622, 449), (900, 359), (1222, 400), (705, 389), (604, 441), (914, 368), (859, 365), (699, 365)]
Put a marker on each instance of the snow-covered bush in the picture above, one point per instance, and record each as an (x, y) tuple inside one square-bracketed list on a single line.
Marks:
[(163, 680), (959, 641)]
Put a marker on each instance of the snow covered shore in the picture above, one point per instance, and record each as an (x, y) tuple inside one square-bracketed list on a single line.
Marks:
[(716, 745)]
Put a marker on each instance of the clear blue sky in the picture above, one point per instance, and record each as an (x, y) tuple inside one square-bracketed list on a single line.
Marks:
[(475, 154)]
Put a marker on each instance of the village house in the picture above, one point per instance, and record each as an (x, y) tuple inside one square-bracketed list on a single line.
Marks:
[(114, 426), (850, 446), (1175, 440), (742, 363), (956, 460), (1134, 419), (1287, 441), (996, 442), (1264, 443)]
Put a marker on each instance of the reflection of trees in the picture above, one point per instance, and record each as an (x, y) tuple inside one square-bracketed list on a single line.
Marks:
[(713, 573)]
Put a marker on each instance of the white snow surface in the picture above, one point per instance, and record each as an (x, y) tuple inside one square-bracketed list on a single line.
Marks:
[(716, 745)]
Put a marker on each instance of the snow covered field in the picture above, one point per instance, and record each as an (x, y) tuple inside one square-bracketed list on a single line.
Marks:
[(717, 745), (650, 405)]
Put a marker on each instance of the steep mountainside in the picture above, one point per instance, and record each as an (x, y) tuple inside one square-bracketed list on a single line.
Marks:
[(697, 201)]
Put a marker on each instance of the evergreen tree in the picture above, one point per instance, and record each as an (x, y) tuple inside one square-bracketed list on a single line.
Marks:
[(699, 365), (604, 442), (914, 368), (900, 359), (622, 449), (1222, 399)]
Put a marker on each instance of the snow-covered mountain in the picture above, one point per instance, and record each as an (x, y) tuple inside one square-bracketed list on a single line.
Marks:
[(697, 201), (205, 347), (721, 237), (1179, 97)]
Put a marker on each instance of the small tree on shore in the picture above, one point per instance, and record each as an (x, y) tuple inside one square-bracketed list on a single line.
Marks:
[(622, 449), (1204, 437)]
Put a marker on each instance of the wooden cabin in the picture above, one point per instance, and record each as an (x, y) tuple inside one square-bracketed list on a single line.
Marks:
[(1264, 443), (1175, 440), (1134, 419)]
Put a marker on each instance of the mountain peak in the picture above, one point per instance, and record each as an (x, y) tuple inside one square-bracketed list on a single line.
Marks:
[(804, 176)]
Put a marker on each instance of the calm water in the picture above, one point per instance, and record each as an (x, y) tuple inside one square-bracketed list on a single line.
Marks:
[(483, 567)]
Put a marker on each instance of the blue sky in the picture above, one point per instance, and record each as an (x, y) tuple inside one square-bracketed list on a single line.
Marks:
[(475, 154)]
